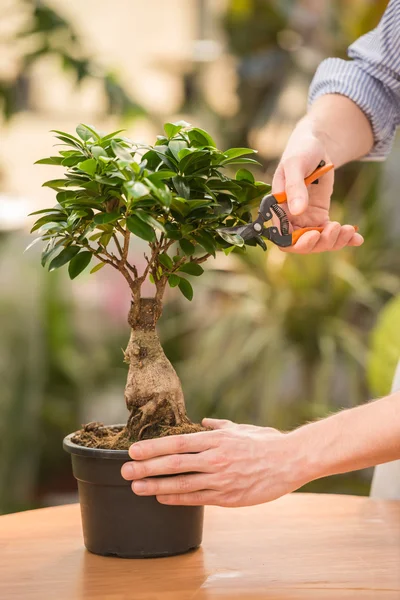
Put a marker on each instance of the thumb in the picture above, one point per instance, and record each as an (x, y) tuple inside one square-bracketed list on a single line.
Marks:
[(296, 189), (217, 423)]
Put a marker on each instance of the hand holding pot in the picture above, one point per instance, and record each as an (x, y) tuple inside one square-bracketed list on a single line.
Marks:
[(233, 465)]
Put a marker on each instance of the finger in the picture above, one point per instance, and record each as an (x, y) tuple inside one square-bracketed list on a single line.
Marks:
[(305, 244), (296, 189), (356, 240), (346, 234), (217, 423), (166, 465), (205, 497), (328, 237), (180, 484), (278, 181), (174, 444)]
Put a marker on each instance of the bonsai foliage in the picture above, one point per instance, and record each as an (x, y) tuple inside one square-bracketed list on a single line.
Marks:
[(175, 195)]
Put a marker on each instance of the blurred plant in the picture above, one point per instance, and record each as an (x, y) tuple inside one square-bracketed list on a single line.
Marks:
[(385, 348), (289, 336), (276, 42), (50, 364), (45, 32)]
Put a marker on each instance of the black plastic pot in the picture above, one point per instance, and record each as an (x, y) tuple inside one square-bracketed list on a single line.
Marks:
[(116, 522)]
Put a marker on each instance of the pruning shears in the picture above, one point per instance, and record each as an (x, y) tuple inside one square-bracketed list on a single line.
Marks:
[(255, 231)]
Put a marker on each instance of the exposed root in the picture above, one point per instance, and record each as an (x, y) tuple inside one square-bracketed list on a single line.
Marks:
[(153, 392), (145, 427)]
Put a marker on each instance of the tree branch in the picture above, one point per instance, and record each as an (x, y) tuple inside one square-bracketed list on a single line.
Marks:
[(116, 240), (201, 259)]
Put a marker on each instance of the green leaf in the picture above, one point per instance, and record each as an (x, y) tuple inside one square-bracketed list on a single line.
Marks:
[(173, 232), (185, 152), (98, 152), (95, 236), (149, 220), (241, 161), (72, 160), (88, 166), (160, 176), (35, 241), (192, 268), (136, 189), (176, 146), (161, 192), (55, 183), (50, 249), (97, 267), (121, 152), (187, 247), (231, 238), (141, 229), (50, 218), (67, 136), (105, 239), (52, 160), (110, 135), (166, 261), (200, 137), (172, 129), (195, 204), (245, 175), (173, 280), (64, 257), (185, 288), (78, 263), (236, 152), (103, 218), (206, 241), (45, 210), (181, 186), (86, 132)]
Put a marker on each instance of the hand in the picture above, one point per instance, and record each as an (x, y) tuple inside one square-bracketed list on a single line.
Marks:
[(233, 465), (309, 206)]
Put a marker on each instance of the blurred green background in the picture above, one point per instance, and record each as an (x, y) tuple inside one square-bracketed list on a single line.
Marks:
[(270, 339)]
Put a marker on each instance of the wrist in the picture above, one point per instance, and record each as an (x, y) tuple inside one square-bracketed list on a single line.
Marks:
[(306, 460)]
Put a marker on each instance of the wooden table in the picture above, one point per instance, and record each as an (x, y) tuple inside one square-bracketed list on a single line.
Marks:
[(303, 546)]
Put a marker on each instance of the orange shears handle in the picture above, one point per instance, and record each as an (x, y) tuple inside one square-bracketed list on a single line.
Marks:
[(281, 196)]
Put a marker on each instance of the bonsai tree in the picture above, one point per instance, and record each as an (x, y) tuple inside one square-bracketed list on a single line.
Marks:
[(175, 195)]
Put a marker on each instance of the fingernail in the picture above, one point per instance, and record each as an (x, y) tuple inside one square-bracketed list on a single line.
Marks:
[(139, 487), (135, 451), (296, 206), (127, 471), (359, 238)]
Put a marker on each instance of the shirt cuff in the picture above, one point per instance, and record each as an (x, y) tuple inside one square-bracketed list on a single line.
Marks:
[(337, 76)]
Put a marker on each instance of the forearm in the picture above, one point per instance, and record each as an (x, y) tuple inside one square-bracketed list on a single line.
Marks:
[(352, 439), (340, 125)]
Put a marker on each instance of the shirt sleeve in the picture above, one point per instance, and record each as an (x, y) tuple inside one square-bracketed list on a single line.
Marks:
[(371, 79)]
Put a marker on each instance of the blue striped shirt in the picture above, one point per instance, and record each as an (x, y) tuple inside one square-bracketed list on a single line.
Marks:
[(371, 79)]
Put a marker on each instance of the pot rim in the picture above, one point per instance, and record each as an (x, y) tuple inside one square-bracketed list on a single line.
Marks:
[(72, 448)]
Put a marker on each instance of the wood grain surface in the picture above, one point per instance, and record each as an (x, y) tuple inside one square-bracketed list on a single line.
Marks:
[(303, 546)]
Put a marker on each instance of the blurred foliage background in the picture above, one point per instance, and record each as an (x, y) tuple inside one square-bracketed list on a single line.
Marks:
[(270, 339)]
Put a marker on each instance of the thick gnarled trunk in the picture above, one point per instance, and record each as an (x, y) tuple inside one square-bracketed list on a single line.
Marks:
[(153, 392)]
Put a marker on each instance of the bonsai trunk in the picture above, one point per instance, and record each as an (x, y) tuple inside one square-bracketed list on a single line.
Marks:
[(153, 392)]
